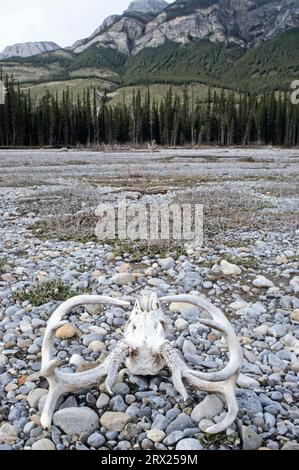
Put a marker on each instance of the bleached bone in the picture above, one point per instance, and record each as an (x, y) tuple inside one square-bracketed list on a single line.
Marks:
[(60, 382), (220, 323), (145, 351)]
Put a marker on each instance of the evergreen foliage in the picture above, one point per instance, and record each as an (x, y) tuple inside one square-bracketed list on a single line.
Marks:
[(224, 119)]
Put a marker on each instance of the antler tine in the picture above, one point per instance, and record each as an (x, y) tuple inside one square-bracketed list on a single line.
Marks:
[(180, 371), (220, 323), (61, 383), (56, 321), (227, 389)]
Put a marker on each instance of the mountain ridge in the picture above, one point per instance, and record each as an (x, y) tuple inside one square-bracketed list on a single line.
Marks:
[(28, 49)]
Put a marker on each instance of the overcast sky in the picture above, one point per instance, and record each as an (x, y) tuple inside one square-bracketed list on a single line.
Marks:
[(61, 21)]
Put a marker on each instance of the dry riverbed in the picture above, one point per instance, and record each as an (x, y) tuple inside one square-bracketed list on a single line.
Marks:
[(48, 253)]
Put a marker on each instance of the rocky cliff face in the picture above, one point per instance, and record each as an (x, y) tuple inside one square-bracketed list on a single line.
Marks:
[(241, 22), (28, 49), (147, 6), (246, 23)]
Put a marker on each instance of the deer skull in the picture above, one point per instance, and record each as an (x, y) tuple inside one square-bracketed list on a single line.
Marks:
[(145, 351)]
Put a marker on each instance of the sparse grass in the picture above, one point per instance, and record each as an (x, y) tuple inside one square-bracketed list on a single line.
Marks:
[(2, 264), (245, 262), (139, 249), (226, 209), (209, 263), (45, 292), (78, 227), (218, 439)]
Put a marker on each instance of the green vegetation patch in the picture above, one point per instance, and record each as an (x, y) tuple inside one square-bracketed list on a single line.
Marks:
[(44, 293)]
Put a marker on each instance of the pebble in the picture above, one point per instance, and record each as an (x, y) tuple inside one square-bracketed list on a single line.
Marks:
[(262, 281), (251, 440), (179, 424), (122, 279), (67, 331), (211, 406), (43, 444), (189, 444), (173, 438), (8, 434), (35, 395), (115, 421), (96, 440), (76, 421), (156, 435), (229, 269), (102, 401)]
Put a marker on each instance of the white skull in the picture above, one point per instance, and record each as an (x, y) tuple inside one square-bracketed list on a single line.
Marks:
[(145, 333)]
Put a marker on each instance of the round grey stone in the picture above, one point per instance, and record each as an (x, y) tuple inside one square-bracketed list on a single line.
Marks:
[(189, 444)]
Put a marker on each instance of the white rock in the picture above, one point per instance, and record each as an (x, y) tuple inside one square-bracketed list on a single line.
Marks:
[(262, 281), (239, 304), (229, 269), (167, 263), (247, 382), (262, 329), (189, 444), (75, 421), (295, 316), (205, 424), (122, 279), (97, 346), (8, 434), (189, 348), (183, 308), (43, 444), (211, 406), (294, 284), (115, 421), (156, 435), (35, 395), (181, 324)]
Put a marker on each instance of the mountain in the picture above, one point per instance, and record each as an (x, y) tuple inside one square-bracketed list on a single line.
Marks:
[(246, 23), (151, 23), (28, 49), (248, 45), (147, 6), (272, 65), (120, 32)]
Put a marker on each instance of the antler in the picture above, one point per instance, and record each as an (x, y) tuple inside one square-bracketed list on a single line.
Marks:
[(60, 382), (220, 323), (218, 382)]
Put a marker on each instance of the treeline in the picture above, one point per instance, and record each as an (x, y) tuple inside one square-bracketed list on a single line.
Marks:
[(227, 118)]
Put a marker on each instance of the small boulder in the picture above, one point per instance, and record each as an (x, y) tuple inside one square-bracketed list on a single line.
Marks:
[(189, 444), (251, 440), (115, 421), (211, 406), (156, 435), (34, 397), (76, 421), (43, 444), (262, 281), (67, 331), (122, 279), (295, 316), (229, 269)]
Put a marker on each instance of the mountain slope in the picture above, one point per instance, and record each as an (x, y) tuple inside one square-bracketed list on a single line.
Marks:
[(120, 32), (28, 49), (271, 65), (244, 23)]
